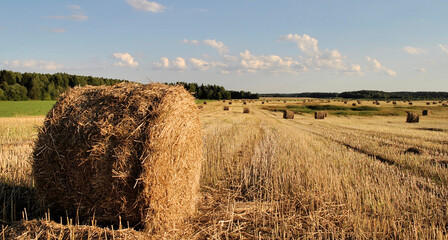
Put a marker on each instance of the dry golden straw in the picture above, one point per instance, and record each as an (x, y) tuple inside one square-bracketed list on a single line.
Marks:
[(320, 115), (287, 114), (412, 118), (131, 151)]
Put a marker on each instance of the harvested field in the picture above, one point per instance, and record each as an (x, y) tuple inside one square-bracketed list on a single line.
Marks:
[(263, 177)]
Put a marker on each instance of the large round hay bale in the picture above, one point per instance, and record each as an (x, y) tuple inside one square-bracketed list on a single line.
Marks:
[(246, 110), (412, 118), (287, 114), (320, 115), (205, 102), (354, 104), (226, 108), (426, 112), (130, 151)]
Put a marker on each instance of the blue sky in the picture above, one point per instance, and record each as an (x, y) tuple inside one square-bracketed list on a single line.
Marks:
[(260, 46)]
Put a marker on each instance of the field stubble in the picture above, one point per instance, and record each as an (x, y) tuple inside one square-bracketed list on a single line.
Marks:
[(265, 177)]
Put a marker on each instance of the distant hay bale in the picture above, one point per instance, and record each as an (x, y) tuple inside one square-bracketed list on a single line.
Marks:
[(230, 103), (287, 114), (377, 103), (345, 102), (129, 150), (426, 112), (262, 102), (205, 102), (412, 118), (226, 108), (320, 115), (200, 107), (245, 103), (434, 102), (284, 101), (223, 101), (354, 104), (428, 103), (394, 103), (410, 103), (246, 110), (359, 102)]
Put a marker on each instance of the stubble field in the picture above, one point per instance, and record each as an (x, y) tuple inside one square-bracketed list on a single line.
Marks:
[(264, 177)]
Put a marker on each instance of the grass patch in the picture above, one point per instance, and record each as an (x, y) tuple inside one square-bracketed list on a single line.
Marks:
[(25, 108)]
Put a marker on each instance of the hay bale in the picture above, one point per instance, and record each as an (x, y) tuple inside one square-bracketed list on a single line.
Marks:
[(394, 103), (226, 108), (246, 110), (354, 104), (262, 102), (244, 103), (200, 107), (205, 102), (345, 102), (359, 102), (230, 103), (287, 114), (426, 112), (284, 101), (410, 103), (127, 150), (412, 117), (428, 103), (320, 115)]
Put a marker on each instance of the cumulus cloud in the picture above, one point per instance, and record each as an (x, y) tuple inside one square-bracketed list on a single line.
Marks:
[(177, 64), (376, 66), (125, 60), (444, 48), (272, 64), (146, 6), (219, 46), (305, 43), (423, 70), (199, 64), (33, 64), (75, 17), (413, 50), (319, 59)]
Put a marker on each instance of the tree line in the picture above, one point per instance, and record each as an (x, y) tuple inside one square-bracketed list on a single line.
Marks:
[(367, 94), (37, 86), (215, 92)]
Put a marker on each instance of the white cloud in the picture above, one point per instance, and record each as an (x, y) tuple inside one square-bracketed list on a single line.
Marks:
[(199, 64), (147, 6), (58, 30), (125, 60), (413, 50), (271, 64), (33, 64), (75, 17), (74, 7), (444, 48), (423, 70), (219, 46), (377, 67), (178, 64), (317, 59), (306, 43)]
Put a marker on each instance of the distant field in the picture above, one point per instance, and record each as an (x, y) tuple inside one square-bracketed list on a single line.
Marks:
[(25, 108)]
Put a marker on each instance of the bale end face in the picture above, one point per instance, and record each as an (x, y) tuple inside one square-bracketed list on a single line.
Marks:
[(287, 114), (412, 118), (320, 115), (126, 150)]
